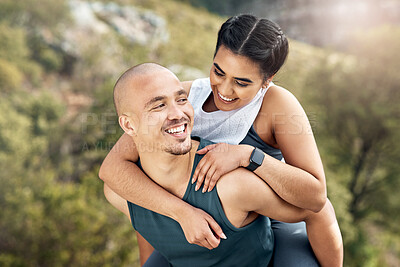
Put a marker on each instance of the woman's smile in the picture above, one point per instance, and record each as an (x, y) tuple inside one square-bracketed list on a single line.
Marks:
[(226, 99)]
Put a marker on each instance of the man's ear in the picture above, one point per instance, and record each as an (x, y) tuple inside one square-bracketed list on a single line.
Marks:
[(127, 125)]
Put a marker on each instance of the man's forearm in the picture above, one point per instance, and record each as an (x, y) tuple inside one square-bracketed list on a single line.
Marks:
[(128, 181)]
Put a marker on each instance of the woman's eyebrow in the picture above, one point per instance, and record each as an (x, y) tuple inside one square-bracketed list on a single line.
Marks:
[(244, 79), (219, 68), (237, 78)]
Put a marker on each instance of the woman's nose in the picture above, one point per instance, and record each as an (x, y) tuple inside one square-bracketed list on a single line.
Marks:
[(225, 88)]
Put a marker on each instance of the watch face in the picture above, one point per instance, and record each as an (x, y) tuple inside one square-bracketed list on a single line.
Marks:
[(258, 157)]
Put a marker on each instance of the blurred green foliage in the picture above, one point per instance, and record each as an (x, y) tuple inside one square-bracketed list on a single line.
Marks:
[(225, 7), (32, 13), (58, 123), (10, 76)]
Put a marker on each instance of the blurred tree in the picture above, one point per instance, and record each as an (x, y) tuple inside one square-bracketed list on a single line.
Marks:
[(227, 7), (358, 100), (10, 76), (53, 209), (16, 56), (28, 21), (34, 13), (13, 45), (45, 222)]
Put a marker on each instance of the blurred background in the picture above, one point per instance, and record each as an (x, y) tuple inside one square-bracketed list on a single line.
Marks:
[(60, 59)]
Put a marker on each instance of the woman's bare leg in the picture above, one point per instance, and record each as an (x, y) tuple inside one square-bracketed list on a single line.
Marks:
[(325, 237)]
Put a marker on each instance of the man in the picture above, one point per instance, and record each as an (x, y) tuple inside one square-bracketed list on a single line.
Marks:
[(153, 109)]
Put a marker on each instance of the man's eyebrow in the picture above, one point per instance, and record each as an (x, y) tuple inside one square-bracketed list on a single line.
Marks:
[(181, 92), (154, 99), (237, 78)]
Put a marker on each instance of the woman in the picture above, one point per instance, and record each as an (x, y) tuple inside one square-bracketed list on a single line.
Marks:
[(238, 104)]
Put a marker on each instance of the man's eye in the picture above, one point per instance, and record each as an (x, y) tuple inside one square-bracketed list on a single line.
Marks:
[(159, 106), (217, 73), (182, 100)]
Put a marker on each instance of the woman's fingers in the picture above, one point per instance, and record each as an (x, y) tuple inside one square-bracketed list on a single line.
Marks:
[(198, 169), (206, 149), (214, 179), (202, 173), (209, 175), (218, 160)]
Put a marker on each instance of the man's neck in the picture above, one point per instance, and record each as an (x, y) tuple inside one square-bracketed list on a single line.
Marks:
[(172, 172)]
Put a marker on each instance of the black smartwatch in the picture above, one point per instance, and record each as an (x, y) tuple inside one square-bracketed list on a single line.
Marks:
[(256, 159)]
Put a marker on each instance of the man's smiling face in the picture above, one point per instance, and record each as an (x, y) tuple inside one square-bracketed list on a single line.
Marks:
[(160, 113)]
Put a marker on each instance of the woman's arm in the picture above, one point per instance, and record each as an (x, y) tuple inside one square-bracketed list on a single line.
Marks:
[(246, 192), (282, 121), (301, 180), (127, 180)]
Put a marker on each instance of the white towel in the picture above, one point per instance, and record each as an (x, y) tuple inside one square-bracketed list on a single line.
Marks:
[(222, 126)]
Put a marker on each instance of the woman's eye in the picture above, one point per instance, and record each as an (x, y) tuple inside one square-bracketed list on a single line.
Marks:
[(241, 84), (217, 73)]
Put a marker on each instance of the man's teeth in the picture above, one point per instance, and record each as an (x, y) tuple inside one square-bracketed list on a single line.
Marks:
[(179, 129), (225, 98)]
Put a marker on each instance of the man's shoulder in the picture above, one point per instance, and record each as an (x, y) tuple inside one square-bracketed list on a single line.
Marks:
[(202, 142)]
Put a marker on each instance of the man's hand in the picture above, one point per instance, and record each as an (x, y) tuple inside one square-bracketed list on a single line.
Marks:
[(200, 228)]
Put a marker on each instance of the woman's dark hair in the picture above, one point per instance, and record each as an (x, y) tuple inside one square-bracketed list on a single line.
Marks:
[(259, 39)]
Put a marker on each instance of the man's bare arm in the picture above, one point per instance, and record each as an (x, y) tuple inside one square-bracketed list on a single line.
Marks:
[(127, 180)]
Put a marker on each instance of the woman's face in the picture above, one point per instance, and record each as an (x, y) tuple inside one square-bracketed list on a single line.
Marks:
[(235, 80)]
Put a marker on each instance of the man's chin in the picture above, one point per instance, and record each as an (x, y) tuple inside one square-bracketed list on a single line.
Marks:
[(180, 149)]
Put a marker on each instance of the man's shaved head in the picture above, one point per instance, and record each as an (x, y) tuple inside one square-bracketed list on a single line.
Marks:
[(153, 108), (129, 82)]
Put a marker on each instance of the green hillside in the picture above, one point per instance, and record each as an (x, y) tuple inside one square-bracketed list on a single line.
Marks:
[(58, 64)]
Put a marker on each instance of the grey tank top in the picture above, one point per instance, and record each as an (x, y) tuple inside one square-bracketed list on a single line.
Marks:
[(232, 127)]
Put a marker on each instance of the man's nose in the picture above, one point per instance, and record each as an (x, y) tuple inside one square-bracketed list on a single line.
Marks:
[(175, 112)]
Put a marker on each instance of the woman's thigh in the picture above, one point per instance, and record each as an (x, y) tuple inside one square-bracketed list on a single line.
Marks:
[(292, 247), (156, 260)]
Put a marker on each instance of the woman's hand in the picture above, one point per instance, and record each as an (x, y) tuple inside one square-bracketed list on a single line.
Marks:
[(220, 159)]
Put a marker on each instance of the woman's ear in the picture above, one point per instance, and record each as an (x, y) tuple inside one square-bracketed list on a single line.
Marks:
[(266, 83), (127, 125)]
